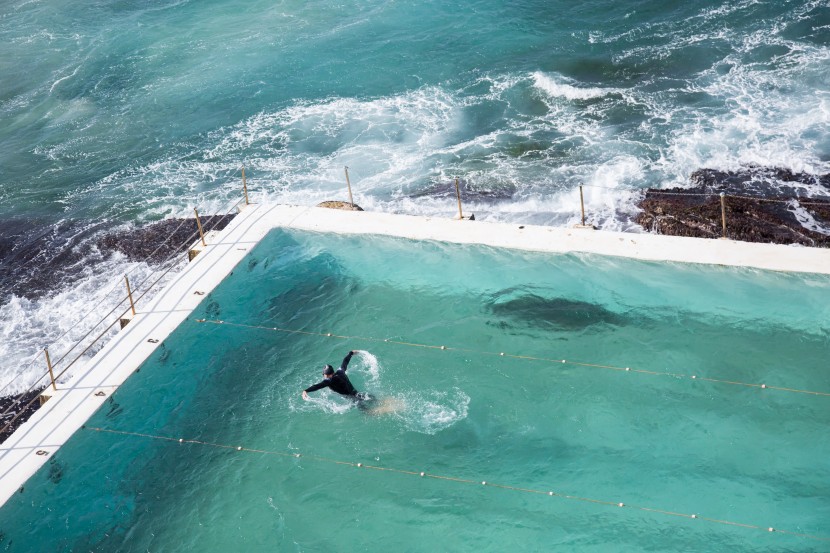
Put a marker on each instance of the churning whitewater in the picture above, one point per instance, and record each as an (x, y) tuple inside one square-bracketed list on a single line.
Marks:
[(117, 114)]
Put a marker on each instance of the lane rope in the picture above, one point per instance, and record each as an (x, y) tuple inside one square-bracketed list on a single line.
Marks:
[(694, 377), (468, 481)]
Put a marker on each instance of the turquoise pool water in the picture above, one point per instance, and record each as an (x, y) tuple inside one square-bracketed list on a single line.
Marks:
[(661, 441)]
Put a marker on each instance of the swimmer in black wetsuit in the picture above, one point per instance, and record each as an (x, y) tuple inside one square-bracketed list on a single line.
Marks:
[(337, 381)]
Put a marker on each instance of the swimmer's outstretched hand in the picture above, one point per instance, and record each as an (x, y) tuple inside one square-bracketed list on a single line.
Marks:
[(305, 395)]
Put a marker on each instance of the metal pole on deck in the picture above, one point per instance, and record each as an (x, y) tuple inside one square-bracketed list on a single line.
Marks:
[(582, 204), (49, 364), (245, 186), (130, 294), (349, 185), (723, 212), (199, 223), (458, 196)]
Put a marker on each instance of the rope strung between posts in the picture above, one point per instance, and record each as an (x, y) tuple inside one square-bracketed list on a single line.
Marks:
[(103, 319), (229, 173), (117, 285), (652, 191), (172, 260), (424, 474), (37, 357), (514, 356)]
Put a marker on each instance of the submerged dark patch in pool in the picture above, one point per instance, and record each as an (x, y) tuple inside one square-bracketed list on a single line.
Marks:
[(212, 310), (165, 354), (526, 308), (55, 471), (115, 409)]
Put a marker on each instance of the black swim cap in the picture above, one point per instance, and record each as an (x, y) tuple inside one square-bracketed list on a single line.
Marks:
[(328, 371)]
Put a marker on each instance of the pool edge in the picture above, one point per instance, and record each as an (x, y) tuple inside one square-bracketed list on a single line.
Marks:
[(36, 441)]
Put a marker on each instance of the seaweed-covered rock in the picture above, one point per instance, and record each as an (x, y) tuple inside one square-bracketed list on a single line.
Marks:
[(754, 178), (38, 257), (697, 212), (17, 406), (157, 241), (345, 206)]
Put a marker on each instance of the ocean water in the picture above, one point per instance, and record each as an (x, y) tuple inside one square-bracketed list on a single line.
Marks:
[(116, 113), (659, 441)]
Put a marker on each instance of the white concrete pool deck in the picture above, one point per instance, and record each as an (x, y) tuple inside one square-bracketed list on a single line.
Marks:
[(36, 441)]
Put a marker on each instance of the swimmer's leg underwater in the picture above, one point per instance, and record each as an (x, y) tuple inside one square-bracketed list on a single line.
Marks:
[(378, 406)]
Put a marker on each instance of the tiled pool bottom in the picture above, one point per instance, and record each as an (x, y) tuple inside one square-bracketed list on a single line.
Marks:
[(663, 441)]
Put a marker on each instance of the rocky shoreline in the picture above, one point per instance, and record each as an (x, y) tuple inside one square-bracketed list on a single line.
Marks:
[(38, 258), (14, 405), (753, 213), (761, 205), (153, 243), (157, 241)]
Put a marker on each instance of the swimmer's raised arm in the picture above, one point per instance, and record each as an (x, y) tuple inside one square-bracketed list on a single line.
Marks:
[(346, 360)]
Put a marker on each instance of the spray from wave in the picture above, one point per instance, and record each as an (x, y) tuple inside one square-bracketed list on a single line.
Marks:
[(731, 85)]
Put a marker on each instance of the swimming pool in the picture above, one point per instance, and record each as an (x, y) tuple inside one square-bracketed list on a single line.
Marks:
[(524, 423)]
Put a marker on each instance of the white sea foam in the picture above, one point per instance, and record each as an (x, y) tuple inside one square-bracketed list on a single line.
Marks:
[(708, 15), (759, 101), (748, 108), (398, 144), (60, 320), (805, 218), (558, 87), (65, 77), (767, 126)]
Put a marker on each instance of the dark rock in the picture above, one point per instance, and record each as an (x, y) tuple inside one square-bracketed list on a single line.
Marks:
[(469, 191), (757, 181), (17, 406), (751, 214), (157, 241), (38, 257)]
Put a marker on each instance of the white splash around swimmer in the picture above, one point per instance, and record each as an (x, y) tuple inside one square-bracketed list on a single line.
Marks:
[(424, 411), (366, 364)]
